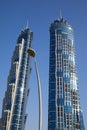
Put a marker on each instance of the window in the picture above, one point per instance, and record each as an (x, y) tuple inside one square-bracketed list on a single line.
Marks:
[(59, 62), (59, 41), (60, 117), (71, 49), (68, 120), (65, 67), (65, 46), (59, 81), (67, 94), (60, 87)]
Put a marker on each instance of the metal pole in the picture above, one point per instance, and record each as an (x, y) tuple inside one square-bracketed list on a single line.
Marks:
[(39, 95), (31, 52)]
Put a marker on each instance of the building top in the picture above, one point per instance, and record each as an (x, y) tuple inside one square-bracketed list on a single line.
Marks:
[(24, 34), (61, 21)]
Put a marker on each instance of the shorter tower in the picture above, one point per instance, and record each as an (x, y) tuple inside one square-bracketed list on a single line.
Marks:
[(64, 112), (15, 100)]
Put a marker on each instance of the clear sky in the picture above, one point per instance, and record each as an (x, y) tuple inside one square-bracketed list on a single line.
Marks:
[(40, 13)]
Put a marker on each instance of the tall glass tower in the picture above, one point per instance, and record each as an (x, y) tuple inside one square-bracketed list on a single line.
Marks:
[(64, 111), (14, 103)]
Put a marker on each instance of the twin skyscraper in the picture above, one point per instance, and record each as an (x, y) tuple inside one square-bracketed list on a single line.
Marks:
[(64, 111)]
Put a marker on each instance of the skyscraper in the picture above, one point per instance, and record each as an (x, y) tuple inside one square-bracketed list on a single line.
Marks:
[(15, 100), (64, 111)]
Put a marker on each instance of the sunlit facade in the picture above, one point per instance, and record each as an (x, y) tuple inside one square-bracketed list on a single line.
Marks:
[(14, 104), (64, 111)]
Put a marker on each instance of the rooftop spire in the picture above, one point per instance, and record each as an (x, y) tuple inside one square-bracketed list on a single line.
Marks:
[(60, 14), (27, 24)]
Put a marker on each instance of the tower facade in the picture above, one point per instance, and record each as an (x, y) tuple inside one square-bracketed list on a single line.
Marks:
[(14, 103), (64, 112)]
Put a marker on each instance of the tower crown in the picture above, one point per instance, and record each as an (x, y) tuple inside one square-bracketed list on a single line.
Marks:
[(60, 22)]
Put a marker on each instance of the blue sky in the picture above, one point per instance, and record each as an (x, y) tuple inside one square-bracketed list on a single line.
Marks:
[(40, 14)]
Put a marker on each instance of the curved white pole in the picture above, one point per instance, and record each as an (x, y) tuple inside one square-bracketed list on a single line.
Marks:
[(39, 95)]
